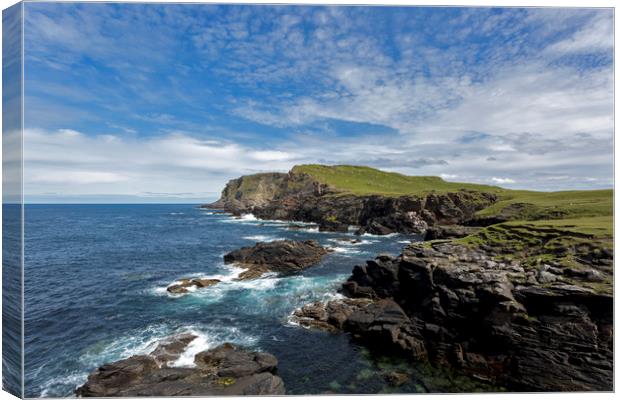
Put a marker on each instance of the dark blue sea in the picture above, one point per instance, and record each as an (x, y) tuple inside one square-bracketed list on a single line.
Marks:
[(95, 281)]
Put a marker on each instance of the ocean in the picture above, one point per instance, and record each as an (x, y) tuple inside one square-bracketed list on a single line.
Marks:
[(95, 292)]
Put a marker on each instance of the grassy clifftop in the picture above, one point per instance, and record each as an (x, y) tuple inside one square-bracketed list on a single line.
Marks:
[(360, 180), (587, 211)]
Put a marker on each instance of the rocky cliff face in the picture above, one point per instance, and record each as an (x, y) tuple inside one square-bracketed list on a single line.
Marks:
[(497, 318), (296, 196)]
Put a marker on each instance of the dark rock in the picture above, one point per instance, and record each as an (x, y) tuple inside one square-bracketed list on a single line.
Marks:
[(498, 321), (296, 227), (282, 256), (395, 378), (298, 197), (170, 350), (112, 379), (333, 226), (182, 285), (403, 222), (227, 361), (203, 283), (224, 370), (382, 324)]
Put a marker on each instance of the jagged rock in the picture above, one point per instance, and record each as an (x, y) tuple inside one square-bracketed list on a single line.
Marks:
[(463, 307), (182, 285), (403, 222), (281, 256), (170, 349), (381, 323), (329, 316), (224, 370), (205, 282), (333, 226), (227, 361)]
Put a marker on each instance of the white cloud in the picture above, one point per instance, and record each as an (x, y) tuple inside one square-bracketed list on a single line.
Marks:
[(597, 35), (502, 181), (540, 117), (71, 162), (74, 177)]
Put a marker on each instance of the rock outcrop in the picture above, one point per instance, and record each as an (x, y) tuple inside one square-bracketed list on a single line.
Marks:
[(184, 285), (449, 231), (226, 370), (297, 196), (498, 315), (280, 256)]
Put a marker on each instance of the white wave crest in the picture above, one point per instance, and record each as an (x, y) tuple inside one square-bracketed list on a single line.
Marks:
[(263, 238), (361, 242), (345, 250), (389, 235)]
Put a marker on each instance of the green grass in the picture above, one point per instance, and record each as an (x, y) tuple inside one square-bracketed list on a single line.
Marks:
[(523, 205), (552, 205), (358, 180), (564, 243), (557, 228), (594, 226)]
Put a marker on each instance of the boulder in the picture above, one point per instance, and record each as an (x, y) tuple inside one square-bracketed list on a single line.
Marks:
[(281, 256), (182, 285)]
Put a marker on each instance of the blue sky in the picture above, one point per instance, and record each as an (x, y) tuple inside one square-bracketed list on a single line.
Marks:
[(168, 102)]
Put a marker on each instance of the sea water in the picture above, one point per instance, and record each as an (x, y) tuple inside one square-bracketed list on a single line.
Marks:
[(95, 292)]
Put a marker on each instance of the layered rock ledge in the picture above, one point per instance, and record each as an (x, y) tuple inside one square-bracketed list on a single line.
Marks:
[(226, 370), (526, 320)]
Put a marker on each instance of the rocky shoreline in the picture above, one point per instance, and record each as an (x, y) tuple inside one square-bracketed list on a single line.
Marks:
[(226, 370), (522, 306), (497, 321)]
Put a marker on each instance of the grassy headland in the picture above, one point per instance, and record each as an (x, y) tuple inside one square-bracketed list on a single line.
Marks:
[(583, 211), (358, 180)]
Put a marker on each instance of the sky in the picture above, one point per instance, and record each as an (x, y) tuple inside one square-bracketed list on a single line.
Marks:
[(166, 103)]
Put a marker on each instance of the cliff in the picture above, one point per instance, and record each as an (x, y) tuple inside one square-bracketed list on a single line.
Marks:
[(390, 203), (525, 306), (382, 202)]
